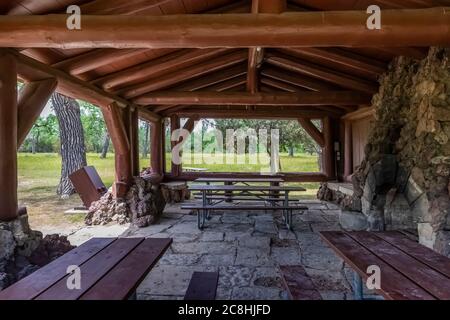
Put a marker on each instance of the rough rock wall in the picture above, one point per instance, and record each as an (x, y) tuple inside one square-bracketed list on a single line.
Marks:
[(404, 179), (23, 251), (142, 206)]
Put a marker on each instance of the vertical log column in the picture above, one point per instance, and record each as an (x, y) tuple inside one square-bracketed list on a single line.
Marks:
[(131, 120), (348, 152), (328, 150), (117, 129), (157, 154), (8, 137)]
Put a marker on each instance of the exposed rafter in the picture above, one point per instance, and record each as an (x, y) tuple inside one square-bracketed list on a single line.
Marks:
[(337, 78), (157, 67), (33, 70), (178, 76)]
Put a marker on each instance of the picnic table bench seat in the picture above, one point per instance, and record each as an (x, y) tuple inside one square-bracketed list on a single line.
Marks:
[(242, 198), (110, 269), (409, 270)]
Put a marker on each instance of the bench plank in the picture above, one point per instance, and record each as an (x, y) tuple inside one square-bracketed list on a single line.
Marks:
[(240, 180), (203, 286), (299, 284), (425, 255), (93, 270), (241, 198), (242, 188), (394, 285), (34, 284), (121, 282), (242, 207), (426, 277)]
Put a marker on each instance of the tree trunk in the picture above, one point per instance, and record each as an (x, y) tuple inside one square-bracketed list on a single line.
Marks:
[(105, 147), (146, 138), (320, 160), (291, 151), (73, 151)]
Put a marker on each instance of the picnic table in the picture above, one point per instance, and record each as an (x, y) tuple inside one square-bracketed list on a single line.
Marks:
[(213, 196), (409, 270), (110, 269)]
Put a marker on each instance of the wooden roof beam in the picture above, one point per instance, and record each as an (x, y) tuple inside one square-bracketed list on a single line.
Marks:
[(32, 70), (222, 112), (178, 76), (95, 59), (362, 65), (245, 98), (343, 80), (256, 54), (222, 86), (157, 67), (409, 27), (206, 82), (297, 80), (280, 85), (104, 7), (312, 130)]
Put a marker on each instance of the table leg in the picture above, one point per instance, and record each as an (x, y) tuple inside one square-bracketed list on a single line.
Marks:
[(357, 286), (204, 211), (274, 194), (210, 201), (285, 211), (228, 194)]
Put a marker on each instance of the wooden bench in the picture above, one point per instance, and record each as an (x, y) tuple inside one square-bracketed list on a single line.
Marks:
[(110, 269), (298, 284), (203, 286), (409, 270), (203, 211), (242, 198)]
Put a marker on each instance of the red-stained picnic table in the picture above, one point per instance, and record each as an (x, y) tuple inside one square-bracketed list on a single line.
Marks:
[(110, 268), (408, 270)]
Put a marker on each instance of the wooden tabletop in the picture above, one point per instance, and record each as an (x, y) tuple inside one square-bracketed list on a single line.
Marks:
[(111, 269), (409, 270), (236, 180), (243, 188)]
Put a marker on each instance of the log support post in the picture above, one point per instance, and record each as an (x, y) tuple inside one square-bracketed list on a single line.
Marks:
[(312, 130), (8, 137), (348, 150), (117, 129), (157, 147), (328, 150), (131, 123)]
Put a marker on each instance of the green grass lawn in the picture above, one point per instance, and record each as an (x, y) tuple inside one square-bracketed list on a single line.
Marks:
[(39, 175)]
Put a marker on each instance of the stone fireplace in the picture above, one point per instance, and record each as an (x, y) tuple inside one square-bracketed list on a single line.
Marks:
[(403, 181)]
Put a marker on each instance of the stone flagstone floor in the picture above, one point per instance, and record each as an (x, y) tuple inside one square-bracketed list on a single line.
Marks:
[(246, 249)]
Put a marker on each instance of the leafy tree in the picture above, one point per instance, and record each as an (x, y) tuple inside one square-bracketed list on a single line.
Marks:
[(94, 127), (43, 136)]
